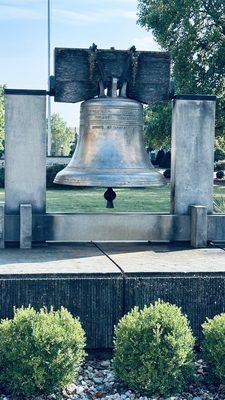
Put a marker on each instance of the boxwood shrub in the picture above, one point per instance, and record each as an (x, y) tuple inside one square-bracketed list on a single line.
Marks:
[(220, 165), (51, 172), (213, 347), (220, 174), (167, 173), (2, 177), (153, 349), (39, 351)]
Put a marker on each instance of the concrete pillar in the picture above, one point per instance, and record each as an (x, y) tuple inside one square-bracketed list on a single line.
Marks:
[(193, 130), (2, 225), (25, 150), (25, 226), (199, 226)]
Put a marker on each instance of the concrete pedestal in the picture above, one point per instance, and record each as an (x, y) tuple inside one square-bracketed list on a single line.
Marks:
[(192, 153), (25, 150)]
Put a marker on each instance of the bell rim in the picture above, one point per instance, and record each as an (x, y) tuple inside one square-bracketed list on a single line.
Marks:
[(111, 178)]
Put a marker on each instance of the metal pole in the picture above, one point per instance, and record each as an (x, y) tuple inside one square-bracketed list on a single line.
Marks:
[(49, 74)]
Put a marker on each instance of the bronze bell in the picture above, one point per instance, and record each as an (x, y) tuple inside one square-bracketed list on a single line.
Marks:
[(110, 150)]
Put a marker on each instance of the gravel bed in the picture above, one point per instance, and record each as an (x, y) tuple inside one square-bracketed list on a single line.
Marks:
[(97, 381)]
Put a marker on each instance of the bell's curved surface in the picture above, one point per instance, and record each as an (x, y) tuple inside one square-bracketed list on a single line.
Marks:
[(110, 150)]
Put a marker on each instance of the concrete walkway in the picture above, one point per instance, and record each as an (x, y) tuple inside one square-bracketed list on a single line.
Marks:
[(113, 258)]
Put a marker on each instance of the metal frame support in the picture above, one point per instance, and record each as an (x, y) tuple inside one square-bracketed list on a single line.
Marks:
[(25, 226), (2, 225), (199, 226)]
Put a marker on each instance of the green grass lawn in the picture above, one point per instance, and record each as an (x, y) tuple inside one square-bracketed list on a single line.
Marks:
[(91, 199)]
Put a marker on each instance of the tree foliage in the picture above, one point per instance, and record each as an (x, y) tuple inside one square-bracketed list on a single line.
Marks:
[(62, 136), (194, 34), (157, 128)]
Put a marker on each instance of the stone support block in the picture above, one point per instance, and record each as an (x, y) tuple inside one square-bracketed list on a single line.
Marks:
[(199, 226), (193, 130), (25, 226), (25, 150)]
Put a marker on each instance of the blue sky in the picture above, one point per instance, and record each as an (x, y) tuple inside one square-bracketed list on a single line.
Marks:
[(75, 23)]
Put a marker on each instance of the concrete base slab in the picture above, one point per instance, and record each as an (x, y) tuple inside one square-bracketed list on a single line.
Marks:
[(53, 259), (138, 258), (110, 258), (100, 282)]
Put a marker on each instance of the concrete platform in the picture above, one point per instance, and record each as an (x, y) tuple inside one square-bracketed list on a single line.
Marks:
[(164, 258), (111, 258), (55, 260), (100, 282)]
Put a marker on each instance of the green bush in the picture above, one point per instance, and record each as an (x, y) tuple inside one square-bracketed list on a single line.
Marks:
[(219, 154), (154, 349), (167, 173), (51, 172), (220, 174), (166, 161), (220, 165), (2, 177), (39, 351), (213, 347)]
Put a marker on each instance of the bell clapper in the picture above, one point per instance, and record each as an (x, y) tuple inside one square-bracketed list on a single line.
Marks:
[(110, 195)]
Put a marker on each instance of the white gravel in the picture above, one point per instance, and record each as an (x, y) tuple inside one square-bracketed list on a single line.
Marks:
[(97, 381)]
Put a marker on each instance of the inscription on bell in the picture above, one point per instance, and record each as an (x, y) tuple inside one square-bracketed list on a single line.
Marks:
[(113, 126), (101, 114), (117, 117)]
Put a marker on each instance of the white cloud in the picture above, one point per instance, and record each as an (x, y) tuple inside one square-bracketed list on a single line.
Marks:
[(11, 12), (101, 15), (146, 43)]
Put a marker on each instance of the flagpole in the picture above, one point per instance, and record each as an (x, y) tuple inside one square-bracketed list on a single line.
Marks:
[(49, 74)]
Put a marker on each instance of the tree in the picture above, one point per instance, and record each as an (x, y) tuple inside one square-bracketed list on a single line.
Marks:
[(1, 119), (194, 34), (157, 127), (62, 136)]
